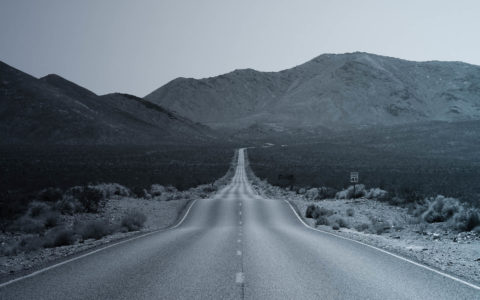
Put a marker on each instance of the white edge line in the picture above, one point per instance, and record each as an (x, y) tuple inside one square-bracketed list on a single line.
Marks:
[(386, 252), (97, 250), (376, 248)]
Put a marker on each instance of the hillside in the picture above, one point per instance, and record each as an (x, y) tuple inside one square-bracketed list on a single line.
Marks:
[(329, 92), (53, 110)]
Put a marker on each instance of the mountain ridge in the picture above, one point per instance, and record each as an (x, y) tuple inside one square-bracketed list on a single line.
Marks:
[(332, 90), (53, 110)]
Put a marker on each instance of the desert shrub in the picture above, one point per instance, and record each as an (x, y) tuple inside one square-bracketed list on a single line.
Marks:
[(335, 227), (50, 195), (342, 223), (350, 212), (348, 193), (406, 194), (95, 229), (311, 211), (379, 226), (467, 219), (322, 211), (61, 237), (377, 193), (8, 249), (171, 189), (208, 188), (36, 209), (441, 209), (133, 220), (68, 205), (111, 189), (51, 219), (28, 224), (362, 227), (417, 209), (322, 220), (90, 198), (140, 192), (319, 193), (29, 244), (311, 194)]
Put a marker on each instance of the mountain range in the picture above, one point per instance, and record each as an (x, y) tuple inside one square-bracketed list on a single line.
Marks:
[(53, 110), (331, 93)]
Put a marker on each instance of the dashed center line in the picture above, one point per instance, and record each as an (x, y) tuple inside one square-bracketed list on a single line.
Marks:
[(240, 223), (239, 241), (240, 213), (239, 252)]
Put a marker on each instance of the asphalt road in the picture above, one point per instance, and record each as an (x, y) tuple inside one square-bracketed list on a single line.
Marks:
[(239, 245)]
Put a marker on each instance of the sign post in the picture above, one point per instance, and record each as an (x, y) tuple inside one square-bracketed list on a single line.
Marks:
[(354, 180)]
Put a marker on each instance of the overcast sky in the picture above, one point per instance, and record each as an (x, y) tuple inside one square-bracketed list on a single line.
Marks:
[(137, 46)]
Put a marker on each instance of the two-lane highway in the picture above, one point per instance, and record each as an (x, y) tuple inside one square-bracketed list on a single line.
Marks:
[(239, 245)]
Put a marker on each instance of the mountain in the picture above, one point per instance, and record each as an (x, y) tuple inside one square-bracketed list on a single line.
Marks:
[(53, 110), (332, 91)]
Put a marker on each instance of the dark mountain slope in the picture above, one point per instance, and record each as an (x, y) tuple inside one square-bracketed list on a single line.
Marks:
[(53, 110)]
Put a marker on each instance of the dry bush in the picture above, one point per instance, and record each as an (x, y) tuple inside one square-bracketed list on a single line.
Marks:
[(350, 212), (322, 220), (348, 193), (362, 227), (91, 199), (95, 229), (29, 244), (342, 223), (28, 224), (466, 219), (379, 226), (311, 211), (60, 237), (36, 209), (133, 220), (69, 205), (441, 209), (51, 219)]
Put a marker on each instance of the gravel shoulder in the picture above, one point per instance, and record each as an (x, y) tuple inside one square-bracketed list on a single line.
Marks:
[(389, 227), (432, 245), (160, 214), (163, 207)]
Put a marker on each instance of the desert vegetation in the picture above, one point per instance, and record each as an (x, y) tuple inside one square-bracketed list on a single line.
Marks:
[(45, 173), (66, 218), (78, 215), (408, 165)]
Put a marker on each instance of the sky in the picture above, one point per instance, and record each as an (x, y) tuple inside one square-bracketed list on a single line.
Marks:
[(137, 46)]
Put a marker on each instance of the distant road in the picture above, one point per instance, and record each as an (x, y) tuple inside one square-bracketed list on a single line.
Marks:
[(239, 245)]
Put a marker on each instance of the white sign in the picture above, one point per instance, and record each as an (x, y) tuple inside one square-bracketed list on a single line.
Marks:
[(354, 177)]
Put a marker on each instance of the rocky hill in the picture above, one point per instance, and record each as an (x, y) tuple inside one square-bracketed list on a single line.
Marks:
[(332, 91)]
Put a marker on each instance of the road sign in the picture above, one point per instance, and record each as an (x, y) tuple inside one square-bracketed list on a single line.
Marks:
[(354, 177)]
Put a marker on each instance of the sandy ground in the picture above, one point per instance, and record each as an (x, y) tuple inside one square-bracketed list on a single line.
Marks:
[(455, 253)]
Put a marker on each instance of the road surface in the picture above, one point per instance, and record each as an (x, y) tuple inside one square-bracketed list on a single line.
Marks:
[(239, 245)]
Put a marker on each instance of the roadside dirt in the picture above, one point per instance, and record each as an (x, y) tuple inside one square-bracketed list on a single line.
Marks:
[(391, 228)]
